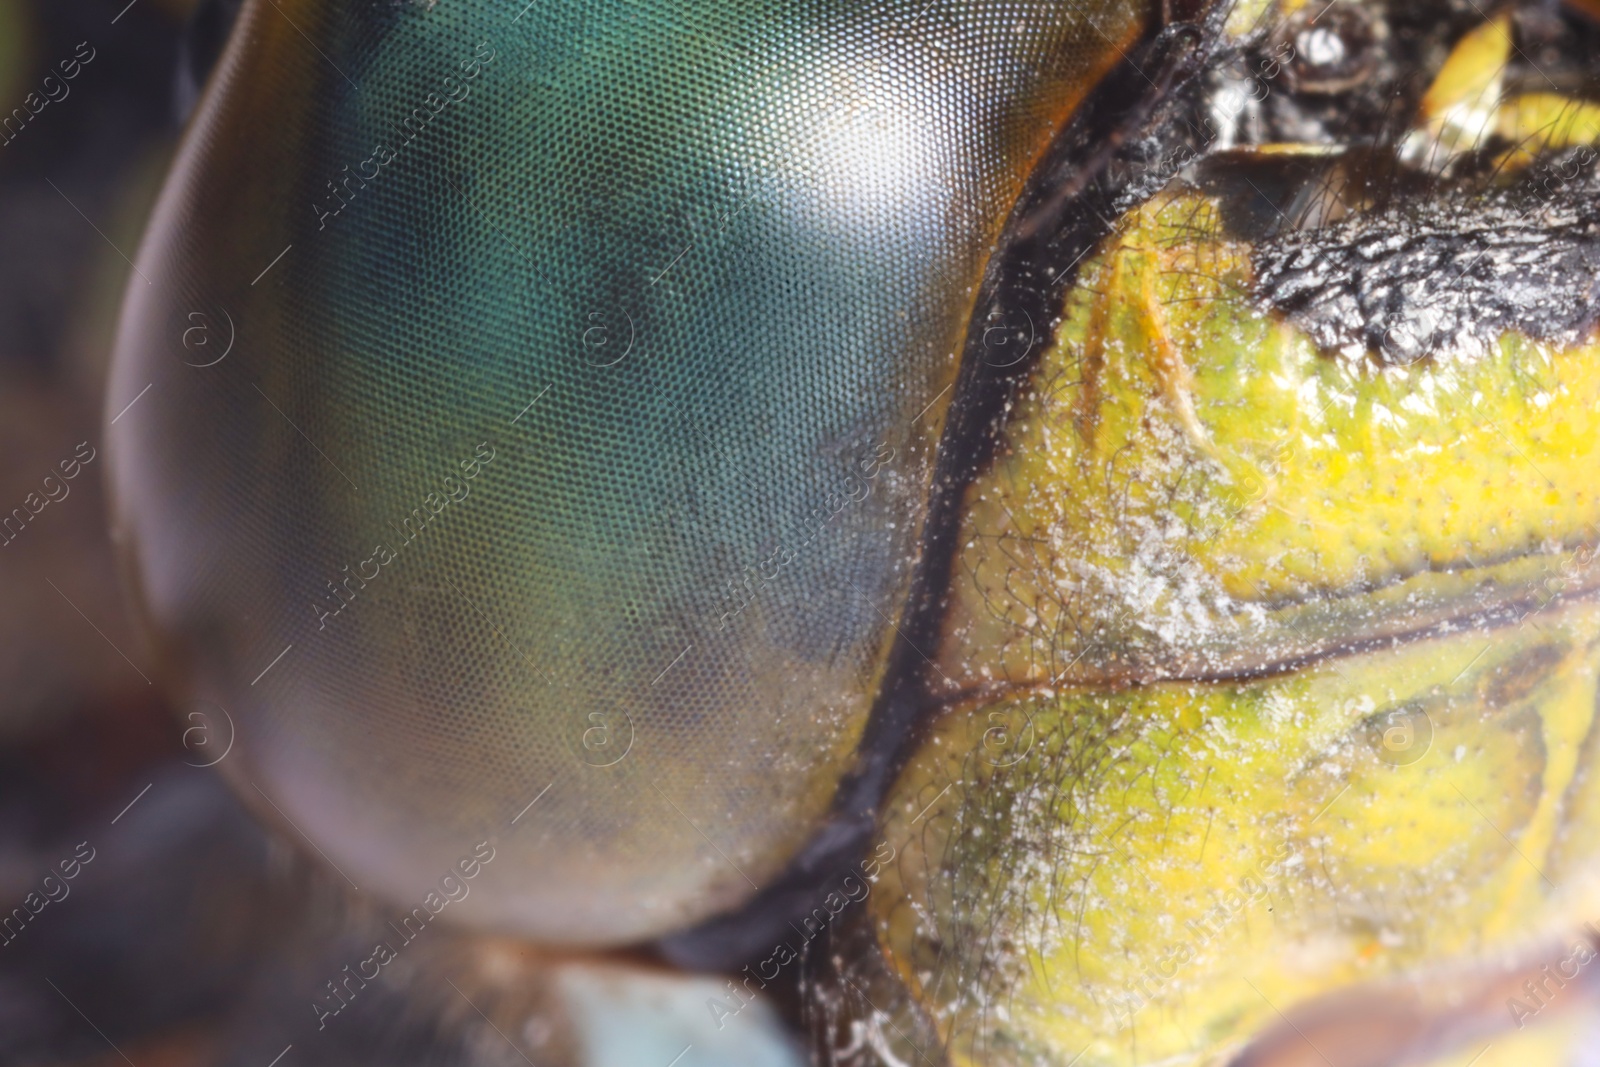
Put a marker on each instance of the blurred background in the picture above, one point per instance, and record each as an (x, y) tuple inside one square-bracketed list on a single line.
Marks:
[(75, 184), (132, 958)]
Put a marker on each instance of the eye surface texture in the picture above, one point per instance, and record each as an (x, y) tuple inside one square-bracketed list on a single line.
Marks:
[(522, 419)]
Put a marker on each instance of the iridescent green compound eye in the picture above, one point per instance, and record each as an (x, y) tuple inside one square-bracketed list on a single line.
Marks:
[(569, 447)]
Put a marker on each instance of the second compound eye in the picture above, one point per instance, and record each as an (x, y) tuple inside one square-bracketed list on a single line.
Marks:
[(1334, 50)]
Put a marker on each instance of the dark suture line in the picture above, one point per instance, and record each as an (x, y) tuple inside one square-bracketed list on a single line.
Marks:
[(1045, 241)]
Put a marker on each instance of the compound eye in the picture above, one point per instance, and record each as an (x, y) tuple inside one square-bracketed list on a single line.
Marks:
[(1334, 50), (522, 422)]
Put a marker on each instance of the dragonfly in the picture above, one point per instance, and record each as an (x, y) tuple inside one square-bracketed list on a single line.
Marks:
[(953, 533)]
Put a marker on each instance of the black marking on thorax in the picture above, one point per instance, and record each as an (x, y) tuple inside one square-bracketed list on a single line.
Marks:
[(1448, 274)]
